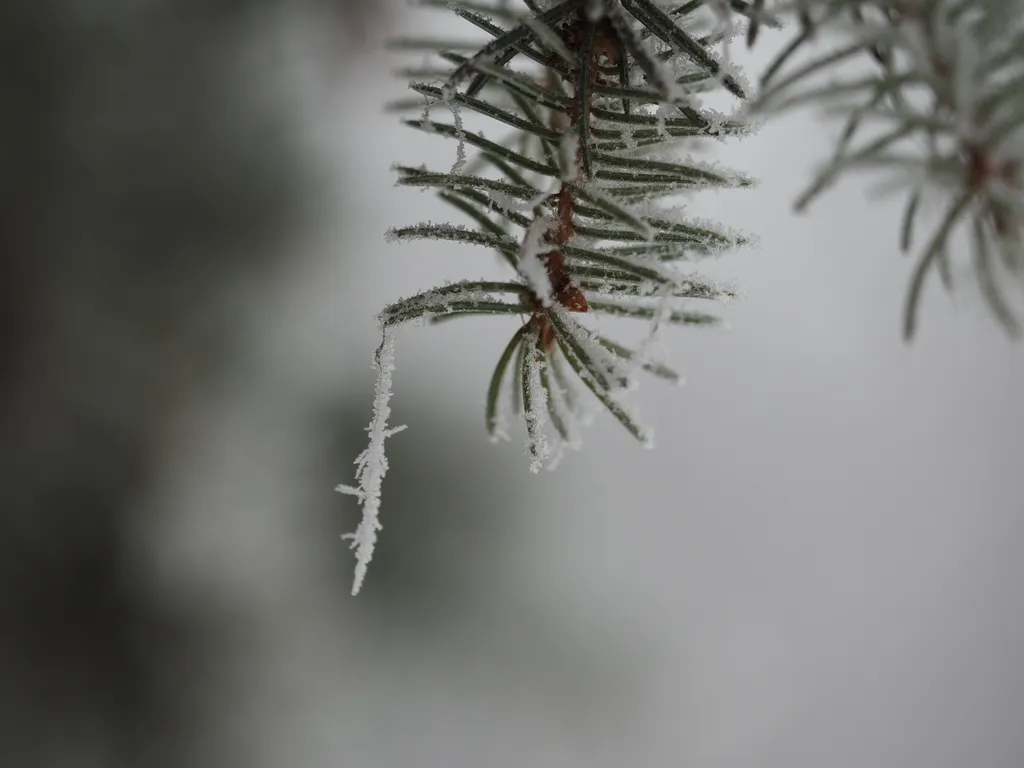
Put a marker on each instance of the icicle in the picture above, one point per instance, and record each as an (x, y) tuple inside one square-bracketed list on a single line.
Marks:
[(372, 464)]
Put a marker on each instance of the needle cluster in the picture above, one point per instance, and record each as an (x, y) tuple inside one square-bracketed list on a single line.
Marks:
[(579, 198)]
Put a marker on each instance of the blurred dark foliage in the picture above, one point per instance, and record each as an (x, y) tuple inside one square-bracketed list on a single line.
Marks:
[(144, 171)]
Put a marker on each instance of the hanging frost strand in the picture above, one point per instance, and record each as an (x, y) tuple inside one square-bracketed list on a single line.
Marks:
[(372, 464), (460, 131)]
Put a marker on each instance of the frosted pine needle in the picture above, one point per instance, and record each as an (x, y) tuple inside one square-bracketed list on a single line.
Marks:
[(535, 408), (460, 131), (372, 464), (662, 312)]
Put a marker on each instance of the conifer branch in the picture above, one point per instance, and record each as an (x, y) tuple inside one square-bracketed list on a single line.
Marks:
[(592, 92), (947, 91)]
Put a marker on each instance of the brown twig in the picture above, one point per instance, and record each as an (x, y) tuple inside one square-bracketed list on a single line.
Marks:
[(590, 42)]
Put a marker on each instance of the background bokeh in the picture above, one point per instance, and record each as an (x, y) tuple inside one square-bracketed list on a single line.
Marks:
[(819, 565)]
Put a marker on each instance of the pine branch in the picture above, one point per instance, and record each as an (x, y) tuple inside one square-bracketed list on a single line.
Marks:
[(569, 198), (948, 88)]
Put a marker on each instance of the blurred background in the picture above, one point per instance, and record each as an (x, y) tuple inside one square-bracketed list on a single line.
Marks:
[(819, 565)]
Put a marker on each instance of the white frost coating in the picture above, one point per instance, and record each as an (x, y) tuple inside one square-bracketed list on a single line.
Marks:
[(626, 134), (568, 147), (542, 197), (530, 265), (609, 364), (372, 464), (537, 445), (673, 91), (595, 10), (731, 178), (646, 435), (499, 427), (965, 86), (428, 230), (439, 300), (661, 314), (504, 202), (617, 397), (426, 124), (460, 131), (664, 110), (728, 31), (509, 204), (664, 270), (557, 454), (630, 217)]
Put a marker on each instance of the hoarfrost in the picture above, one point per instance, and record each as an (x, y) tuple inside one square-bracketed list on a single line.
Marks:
[(626, 133), (595, 10), (664, 110), (438, 301), (460, 131), (629, 216), (530, 265), (499, 427), (536, 410), (509, 204), (547, 36), (662, 312), (617, 375), (568, 147), (668, 85), (563, 409), (723, 11), (372, 464)]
